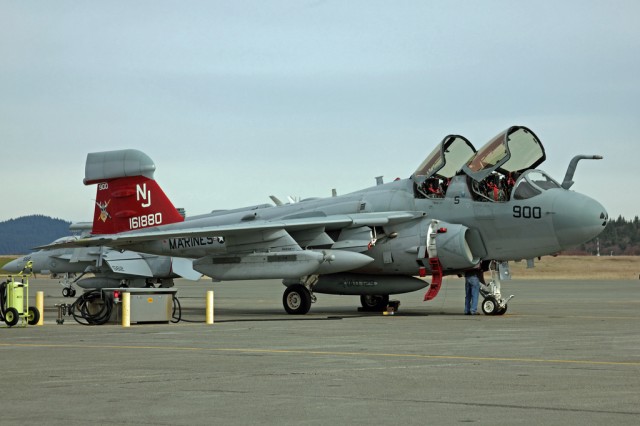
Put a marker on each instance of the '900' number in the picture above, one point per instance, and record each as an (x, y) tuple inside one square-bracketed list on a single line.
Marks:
[(151, 219), (527, 212)]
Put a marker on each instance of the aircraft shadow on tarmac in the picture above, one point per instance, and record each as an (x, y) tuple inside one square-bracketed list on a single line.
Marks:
[(228, 314)]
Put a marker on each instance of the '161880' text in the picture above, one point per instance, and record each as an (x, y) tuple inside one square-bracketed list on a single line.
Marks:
[(144, 221)]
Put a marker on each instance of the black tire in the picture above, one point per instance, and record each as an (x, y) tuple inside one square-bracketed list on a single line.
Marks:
[(296, 300), (374, 302), (490, 306), (65, 292), (33, 315), (11, 316), (73, 292), (501, 311)]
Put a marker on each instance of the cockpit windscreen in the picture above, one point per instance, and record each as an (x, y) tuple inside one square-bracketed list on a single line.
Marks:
[(533, 183)]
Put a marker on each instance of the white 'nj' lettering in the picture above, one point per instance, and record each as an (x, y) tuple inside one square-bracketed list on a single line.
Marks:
[(141, 192)]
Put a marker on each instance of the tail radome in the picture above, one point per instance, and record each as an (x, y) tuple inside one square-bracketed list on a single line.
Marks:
[(127, 196)]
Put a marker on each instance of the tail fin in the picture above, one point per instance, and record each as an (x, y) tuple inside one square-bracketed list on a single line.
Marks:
[(127, 197)]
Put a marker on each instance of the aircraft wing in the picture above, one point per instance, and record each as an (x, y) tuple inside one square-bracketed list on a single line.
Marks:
[(248, 231), (127, 262)]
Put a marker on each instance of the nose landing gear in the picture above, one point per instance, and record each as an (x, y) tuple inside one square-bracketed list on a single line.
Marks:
[(494, 303)]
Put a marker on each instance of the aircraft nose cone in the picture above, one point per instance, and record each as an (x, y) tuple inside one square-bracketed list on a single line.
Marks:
[(14, 266), (577, 219)]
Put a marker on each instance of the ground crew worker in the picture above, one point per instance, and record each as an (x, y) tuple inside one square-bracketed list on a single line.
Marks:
[(472, 279)]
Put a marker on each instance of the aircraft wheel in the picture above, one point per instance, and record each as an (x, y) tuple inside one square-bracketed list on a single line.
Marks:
[(296, 300), (33, 316), (65, 292), (374, 302), (73, 292), (11, 317), (490, 306), (501, 311)]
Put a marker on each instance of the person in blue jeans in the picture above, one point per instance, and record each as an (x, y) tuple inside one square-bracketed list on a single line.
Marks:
[(472, 279)]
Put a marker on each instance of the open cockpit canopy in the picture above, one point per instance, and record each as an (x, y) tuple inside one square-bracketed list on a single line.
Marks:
[(446, 159), (432, 177), (515, 150)]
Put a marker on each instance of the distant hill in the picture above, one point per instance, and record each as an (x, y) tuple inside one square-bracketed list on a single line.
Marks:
[(21, 235)]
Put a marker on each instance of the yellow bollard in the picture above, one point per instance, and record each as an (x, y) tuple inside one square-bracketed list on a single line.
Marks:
[(209, 307), (126, 309), (40, 306)]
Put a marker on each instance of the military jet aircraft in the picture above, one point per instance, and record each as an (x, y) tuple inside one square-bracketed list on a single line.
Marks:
[(460, 207), (107, 268)]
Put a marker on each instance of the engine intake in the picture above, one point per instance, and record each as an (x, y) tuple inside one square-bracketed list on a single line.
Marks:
[(457, 246)]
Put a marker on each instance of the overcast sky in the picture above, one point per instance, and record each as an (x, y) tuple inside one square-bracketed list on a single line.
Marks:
[(237, 100)]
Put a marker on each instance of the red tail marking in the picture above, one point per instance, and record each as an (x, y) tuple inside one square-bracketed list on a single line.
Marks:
[(133, 202)]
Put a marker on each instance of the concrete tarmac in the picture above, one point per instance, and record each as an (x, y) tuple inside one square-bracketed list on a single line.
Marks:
[(566, 352)]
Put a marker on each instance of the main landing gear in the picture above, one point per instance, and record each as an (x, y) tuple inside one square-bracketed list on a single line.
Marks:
[(374, 302), (297, 299)]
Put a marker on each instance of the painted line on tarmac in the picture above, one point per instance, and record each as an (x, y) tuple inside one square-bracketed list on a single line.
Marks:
[(578, 317), (328, 353)]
